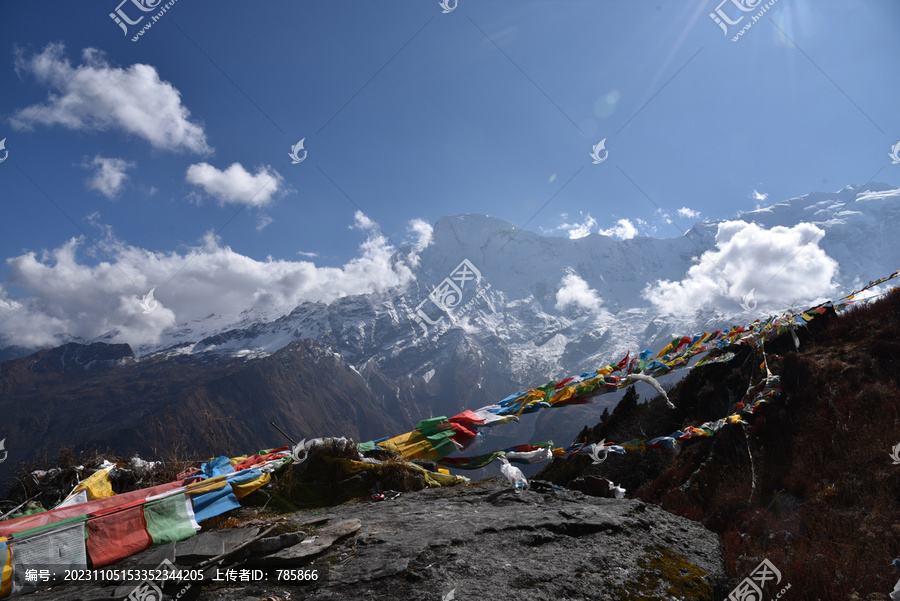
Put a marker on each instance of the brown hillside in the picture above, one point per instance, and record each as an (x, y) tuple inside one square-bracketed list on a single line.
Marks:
[(158, 408), (809, 483)]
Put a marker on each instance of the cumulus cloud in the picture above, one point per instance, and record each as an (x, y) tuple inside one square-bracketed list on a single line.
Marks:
[(782, 265), (580, 230), (575, 291), (95, 96), (688, 213), (423, 234), (623, 230), (236, 185), (577, 229), (109, 176), (67, 296), (582, 227)]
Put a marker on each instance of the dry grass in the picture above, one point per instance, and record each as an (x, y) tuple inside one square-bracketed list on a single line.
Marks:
[(826, 506)]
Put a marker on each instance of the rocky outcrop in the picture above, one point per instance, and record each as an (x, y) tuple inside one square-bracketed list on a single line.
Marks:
[(478, 541)]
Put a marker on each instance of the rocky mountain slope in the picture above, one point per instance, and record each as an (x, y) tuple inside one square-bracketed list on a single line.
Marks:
[(809, 481), (99, 396), (492, 310)]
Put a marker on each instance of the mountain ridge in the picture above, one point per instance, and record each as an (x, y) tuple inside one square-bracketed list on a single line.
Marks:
[(494, 309)]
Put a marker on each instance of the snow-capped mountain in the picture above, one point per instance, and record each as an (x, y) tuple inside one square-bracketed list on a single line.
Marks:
[(493, 309), (557, 305)]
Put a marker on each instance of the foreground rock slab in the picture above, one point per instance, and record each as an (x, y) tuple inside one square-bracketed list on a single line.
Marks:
[(480, 541), (484, 541)]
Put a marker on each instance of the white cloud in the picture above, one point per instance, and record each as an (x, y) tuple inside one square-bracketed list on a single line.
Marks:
[(688, 213), (94, 96), (110, 175), (575, 230), (237, 185), (262, 221), (759, 198), (623, 230), (664, 216), (424, 234), (574, 290), (307, 254), (580, 230), (69, 296), (784, 266), (361, 221)]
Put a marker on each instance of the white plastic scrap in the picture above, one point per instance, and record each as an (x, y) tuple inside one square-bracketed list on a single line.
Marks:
[(895, 594), (40, 475), (537, 456), (652, 382), (513, 475), (618, 491), (141, 467)]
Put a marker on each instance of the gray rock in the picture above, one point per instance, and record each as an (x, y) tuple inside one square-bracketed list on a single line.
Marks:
[(271, 544), (235, 537), (199, 547), (296, 554), (483, 541), (503, 545), (211, 544)]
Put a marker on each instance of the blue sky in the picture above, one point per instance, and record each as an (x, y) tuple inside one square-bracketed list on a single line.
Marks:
[(146, 151)]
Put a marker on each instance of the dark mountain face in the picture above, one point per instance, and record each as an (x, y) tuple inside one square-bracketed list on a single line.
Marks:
[(99, 396), (74, 357), (809, 481)]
